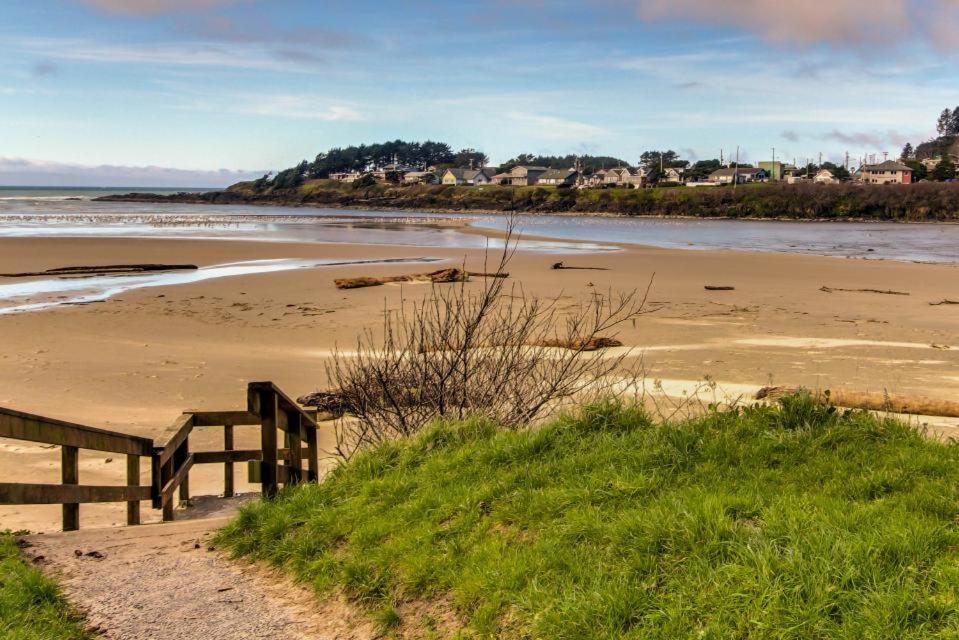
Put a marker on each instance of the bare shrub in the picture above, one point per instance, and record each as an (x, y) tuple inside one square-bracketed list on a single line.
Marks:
[(482, 348)]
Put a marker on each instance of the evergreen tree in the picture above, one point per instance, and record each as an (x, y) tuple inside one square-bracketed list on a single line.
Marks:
[(945, 170), (919, 171), (954, 122), (944, 124), (907, 151)]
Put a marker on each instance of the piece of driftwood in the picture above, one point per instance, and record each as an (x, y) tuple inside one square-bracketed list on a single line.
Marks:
[(593, 344), (870, 401), (329, 404), (442, 275), (563, 265), (102, 270), (944, 301), (888, 292), (718, 287)]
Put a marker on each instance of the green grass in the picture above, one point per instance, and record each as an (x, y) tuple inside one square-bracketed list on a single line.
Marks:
[(31, 607), (791, 522)]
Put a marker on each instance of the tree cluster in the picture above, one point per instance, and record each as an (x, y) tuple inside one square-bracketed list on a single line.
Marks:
[(948, 123), (587, 164)]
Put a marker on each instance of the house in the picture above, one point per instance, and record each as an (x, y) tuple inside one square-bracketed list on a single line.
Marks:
[(625, 177), (774, 168), (888, 172), (673, 175), (740, 175), (420, 177), (825, 176), (346, 176), (525, 176), (391, 172), (931, 163), (467, 177), (559, 177)]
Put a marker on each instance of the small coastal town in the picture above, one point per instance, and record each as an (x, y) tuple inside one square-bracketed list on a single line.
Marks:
[(666, 169)]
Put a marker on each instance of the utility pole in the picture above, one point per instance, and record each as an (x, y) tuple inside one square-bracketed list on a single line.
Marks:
[(736, 170), (773, 168), (721, 161)]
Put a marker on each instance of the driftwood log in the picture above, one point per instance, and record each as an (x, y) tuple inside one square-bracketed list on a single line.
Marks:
[(102, 270), (442, 275), (888, 292), (718, 287), (870, 401), (563, 265), (593, 344), (944, 301)]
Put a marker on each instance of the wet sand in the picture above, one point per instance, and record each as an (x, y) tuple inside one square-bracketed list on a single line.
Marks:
[(135, 361)]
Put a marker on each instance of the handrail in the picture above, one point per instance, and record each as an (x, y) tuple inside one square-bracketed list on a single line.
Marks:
[(33, 428), (170, 457)]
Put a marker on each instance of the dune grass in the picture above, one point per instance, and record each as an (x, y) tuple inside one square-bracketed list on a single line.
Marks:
[(31, 607), (797, 521)]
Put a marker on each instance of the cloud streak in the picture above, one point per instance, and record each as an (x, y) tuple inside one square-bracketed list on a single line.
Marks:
[(545, 126), (156, 7), (24, 171), (842, 23)]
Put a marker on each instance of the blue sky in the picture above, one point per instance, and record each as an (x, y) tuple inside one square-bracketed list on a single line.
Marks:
[(202, 92)]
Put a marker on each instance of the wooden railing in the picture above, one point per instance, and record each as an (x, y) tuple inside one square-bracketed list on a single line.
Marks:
[(170, 462)]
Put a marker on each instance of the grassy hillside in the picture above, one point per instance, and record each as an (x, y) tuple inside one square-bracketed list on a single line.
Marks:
[(919, 202), (927, 201), (791, 522), (31, 607)]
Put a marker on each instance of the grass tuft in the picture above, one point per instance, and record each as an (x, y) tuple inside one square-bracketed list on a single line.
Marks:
[(31, 607), (796, 521)]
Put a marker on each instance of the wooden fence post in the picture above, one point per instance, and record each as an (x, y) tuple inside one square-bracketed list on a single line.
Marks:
[(295, 456), (228, 466), (133, 480), (312, 453), (70, 474), (269, 405)]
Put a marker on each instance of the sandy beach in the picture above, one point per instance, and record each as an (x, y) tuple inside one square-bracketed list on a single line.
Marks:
[(135, 361)]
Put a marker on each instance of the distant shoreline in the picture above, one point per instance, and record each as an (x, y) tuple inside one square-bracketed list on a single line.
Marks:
[(937, 204)]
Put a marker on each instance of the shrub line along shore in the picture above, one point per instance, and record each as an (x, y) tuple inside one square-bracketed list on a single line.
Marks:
[(931, 202)]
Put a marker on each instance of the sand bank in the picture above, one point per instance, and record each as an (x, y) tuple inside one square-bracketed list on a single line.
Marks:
[(133, 362)]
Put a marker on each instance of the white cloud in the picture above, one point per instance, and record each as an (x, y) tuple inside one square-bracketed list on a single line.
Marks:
[(185, 54), (543, 126), (296, 106)]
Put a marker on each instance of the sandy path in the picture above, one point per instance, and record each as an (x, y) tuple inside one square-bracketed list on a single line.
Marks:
[(166, 581)]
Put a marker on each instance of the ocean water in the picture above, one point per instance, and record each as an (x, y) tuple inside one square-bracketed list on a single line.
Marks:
[(69, 212)]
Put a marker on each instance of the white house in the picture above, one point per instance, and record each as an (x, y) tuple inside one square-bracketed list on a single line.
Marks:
[(740, 175)]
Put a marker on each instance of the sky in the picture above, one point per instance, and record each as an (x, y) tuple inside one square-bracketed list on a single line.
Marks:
[(206, 92)]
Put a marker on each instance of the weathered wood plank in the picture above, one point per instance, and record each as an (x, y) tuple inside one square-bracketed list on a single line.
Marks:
[(68, 494), (257, 470), (235, 455), (33, 428), (312, 456), (70, 477), (175, 436), (133, 480), (166, 495), (222, 418), (283, 400), (228, 489), (270, 416)]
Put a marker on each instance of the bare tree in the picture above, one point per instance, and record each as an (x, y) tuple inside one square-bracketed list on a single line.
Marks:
[(466, 350)]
